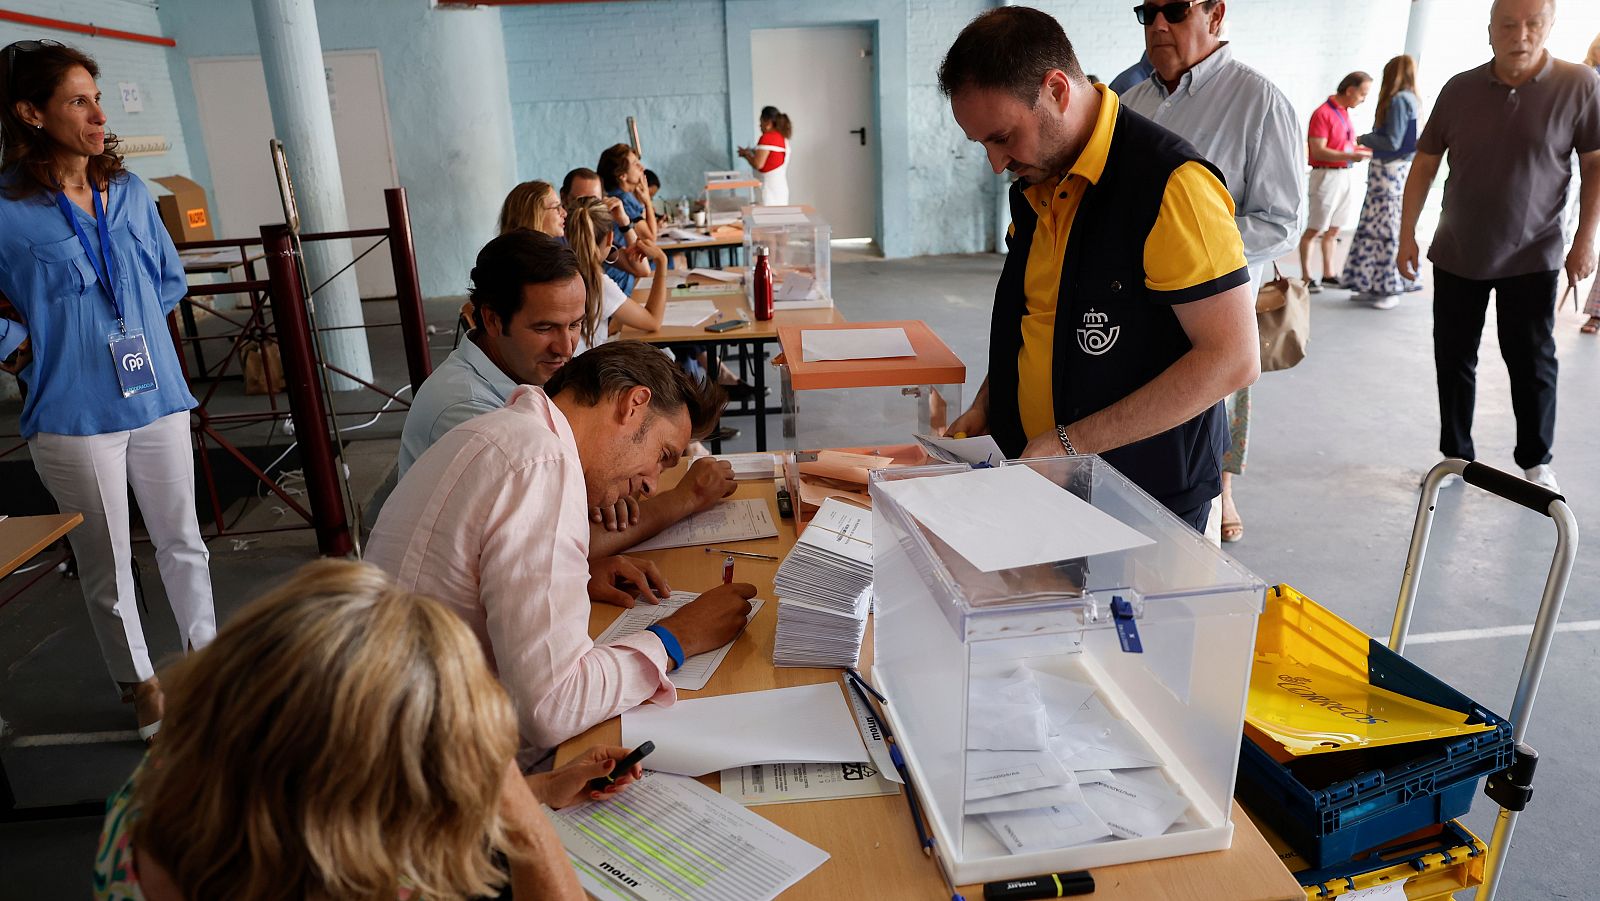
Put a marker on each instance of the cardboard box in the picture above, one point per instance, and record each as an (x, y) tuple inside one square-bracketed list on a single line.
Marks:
[(184, 211)]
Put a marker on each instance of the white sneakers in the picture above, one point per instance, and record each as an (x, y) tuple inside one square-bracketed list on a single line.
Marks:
[(1386, 302), (1543, 475)]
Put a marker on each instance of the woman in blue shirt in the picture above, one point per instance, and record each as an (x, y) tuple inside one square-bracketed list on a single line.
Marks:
[(1369, 270), (92, 274)]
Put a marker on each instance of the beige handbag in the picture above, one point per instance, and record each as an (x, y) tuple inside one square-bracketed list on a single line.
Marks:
[(263, 367), (1283, 317)]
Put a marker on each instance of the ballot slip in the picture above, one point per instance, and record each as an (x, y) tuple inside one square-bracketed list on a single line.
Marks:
[(789, 783), (811, 635), (741, 519)]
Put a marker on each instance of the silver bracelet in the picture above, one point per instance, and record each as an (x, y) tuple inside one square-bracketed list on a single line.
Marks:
[(1066, 443)]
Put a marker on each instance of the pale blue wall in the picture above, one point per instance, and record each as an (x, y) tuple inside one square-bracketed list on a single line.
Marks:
[(142, 64), (444, 72)]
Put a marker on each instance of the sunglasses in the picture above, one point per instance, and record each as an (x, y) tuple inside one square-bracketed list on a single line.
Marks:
[(13, 49), (1175, 12)]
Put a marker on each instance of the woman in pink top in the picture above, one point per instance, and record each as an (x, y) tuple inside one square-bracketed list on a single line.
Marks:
[(340, 739)]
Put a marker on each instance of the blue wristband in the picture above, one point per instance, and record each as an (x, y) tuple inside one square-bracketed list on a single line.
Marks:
[(670, 642)]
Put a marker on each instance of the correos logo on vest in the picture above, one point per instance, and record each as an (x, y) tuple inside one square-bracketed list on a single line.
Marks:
[(1097, 336)]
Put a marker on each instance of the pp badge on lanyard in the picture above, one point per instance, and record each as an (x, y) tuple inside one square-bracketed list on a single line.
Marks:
[(130, 354)]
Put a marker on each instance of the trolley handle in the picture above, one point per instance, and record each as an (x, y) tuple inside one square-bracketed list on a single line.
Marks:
[(1532, 495)]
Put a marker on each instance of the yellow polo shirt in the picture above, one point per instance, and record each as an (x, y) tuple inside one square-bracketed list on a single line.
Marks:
[(1194, 240)]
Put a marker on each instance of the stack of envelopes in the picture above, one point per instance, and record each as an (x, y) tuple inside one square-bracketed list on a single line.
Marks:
[(825, 589)]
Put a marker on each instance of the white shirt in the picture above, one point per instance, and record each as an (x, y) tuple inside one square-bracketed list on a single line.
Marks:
[(611, 300), (493, 521), (1244, 126)]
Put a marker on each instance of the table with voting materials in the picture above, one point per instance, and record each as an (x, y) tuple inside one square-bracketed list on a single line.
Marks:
[(871, 842)]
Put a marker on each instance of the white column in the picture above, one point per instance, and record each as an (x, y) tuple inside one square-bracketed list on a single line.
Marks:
[(297, 89), (1417, 30)]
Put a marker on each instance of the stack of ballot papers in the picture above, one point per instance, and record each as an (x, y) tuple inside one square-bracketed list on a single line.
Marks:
[(1050, 766), (825, 589)]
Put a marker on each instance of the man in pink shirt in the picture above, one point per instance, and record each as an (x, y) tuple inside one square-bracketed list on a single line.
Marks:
[(1331, 144), (493, 521)]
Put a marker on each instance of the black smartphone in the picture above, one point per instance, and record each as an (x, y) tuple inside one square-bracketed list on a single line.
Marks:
[(726, 326), (601, 783)]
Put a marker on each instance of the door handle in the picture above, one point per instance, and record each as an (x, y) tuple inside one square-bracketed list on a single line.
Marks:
[(861, 133)]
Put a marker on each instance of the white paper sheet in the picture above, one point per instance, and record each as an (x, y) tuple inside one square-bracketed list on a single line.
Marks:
[(671, 839), (1063, 698), (1010, 516), (688, 312), (871, 733), (1054, 796), (1103, 745), (787, 783), (979, 449), (803, 724), (1057, 826), (1007, 727), (728, 521), (777, 215), (1389, 891), (719, 275), (750, 466), (854, 344), (1134, 809), (994, 773), (685, 236), (795, 286), (697, 670)]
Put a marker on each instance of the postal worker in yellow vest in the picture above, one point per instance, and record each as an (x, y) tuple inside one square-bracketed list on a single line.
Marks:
[(1123, 316)]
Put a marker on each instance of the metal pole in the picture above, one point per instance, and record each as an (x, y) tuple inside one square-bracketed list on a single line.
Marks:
[(301, 380), (1419, 549), (407, 288)]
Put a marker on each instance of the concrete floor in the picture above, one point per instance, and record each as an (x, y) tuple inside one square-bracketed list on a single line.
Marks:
[(1338, 447)]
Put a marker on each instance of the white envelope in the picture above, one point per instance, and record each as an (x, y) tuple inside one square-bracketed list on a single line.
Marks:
[(1134, 809), (994, 773), (1046, 828), (1056, 795)]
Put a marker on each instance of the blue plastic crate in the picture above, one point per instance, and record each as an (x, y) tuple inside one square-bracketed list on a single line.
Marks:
[(1331, 807)]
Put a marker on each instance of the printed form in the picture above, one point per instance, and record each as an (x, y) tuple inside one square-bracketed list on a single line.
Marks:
[(667, 838)]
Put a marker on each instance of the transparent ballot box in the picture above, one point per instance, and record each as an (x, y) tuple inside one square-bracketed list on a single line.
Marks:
[(726, 197), (845, 403), (798, 243), (1037, 742)]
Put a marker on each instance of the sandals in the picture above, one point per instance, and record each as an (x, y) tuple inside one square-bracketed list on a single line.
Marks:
[(1232, 530), (1590, 327)]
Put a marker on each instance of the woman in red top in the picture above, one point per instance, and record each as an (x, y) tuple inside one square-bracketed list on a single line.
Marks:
[(770, 156)]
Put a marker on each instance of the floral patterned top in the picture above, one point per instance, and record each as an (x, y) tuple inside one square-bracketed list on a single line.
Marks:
[(115, 878)]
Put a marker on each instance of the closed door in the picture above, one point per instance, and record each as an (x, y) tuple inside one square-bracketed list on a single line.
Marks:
[(823, 79), (236, 123)]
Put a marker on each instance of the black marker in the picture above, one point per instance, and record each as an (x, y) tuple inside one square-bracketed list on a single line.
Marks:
[(1050, 885), (601, 783)]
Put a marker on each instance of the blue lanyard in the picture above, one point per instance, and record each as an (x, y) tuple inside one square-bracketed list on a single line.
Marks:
[(104, 263)]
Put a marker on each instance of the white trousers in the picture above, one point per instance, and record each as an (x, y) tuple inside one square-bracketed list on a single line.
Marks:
[(91, 474)]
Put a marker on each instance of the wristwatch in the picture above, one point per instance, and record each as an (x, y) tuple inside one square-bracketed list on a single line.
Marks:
[(1066, 443)]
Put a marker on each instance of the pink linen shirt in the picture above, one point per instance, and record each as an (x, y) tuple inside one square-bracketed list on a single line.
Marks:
[(492, 520)]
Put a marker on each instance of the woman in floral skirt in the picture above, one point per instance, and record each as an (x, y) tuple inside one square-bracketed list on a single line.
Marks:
[(1369, 270)]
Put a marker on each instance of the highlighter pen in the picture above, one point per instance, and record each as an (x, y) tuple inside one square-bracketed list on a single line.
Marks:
[(601, 783), (1050, 885), (727, 569)]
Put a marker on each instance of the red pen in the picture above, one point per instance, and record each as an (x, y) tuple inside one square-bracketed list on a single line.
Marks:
[(727, 569)]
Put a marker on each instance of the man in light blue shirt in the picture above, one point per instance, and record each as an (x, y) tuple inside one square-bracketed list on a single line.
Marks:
[(1246, 127), (528, 300)]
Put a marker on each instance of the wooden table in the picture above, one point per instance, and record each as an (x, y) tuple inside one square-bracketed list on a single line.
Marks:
[(757, 335), (873, 846), (21, 539)]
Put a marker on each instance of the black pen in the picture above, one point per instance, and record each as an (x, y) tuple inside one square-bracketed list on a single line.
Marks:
[(601, 783), (856, 677)]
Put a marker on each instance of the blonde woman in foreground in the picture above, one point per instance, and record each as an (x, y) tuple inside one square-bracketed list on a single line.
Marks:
[(340, 739)]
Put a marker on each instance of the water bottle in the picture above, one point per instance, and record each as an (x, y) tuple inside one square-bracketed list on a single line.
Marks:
[(761, 298)]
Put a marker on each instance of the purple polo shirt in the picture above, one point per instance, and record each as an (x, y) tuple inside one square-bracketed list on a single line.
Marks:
[(1510, 158)]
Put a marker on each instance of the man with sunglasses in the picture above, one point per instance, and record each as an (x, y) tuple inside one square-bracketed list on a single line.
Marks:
[(1246, 127), (1123, 315), (1510, 127)]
